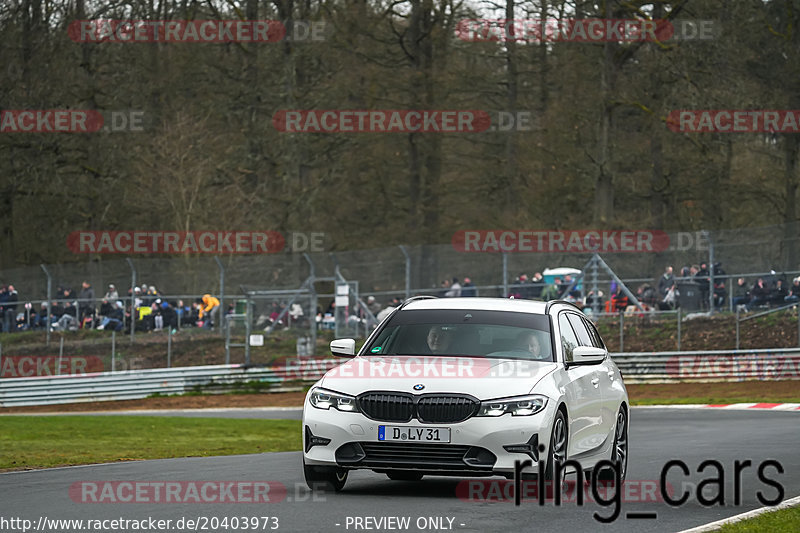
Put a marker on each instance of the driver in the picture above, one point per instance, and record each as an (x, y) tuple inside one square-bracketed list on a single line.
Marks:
[(439, 339), (528, 341)]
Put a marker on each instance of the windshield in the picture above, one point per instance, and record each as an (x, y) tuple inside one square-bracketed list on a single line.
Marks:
[(465, 333)]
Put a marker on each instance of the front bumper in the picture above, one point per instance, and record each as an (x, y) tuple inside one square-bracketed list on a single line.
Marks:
[(478, 445)]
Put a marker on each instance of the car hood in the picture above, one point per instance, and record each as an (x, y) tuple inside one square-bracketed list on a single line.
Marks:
[(481, 377)]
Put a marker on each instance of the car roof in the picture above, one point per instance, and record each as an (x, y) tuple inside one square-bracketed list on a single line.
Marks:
[(478, 303)]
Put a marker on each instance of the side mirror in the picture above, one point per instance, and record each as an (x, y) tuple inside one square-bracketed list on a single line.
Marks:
[(588, 355), (343, 347)]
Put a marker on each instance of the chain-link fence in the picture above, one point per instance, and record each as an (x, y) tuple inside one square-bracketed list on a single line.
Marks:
[(309, 298)]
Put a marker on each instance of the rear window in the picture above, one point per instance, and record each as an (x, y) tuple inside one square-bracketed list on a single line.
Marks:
[(466, 333)]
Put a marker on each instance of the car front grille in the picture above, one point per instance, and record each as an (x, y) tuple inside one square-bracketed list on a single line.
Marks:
[(400, 455), (387, 407), (427, 408), (446, 409)]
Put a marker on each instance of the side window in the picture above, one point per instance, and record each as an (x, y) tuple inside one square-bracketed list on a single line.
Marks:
[(568, 339), (580, 330), (596, 339)]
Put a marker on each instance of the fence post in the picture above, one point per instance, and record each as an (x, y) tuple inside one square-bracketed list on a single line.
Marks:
[(169, 348), (247, 332), (60, 354), (505, 275), (621, 332), (227, 340), (737, 327), (798, 323), (222, 309), (312, 278), (1, 361), (679, 328), (133, 295), (408, 273), (113, 350), (49, 300), (710, 274)]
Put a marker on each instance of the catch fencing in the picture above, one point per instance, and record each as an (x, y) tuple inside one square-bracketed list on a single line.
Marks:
[(652, 367)]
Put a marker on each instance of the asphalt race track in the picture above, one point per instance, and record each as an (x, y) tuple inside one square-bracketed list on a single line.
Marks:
[(657, 435)]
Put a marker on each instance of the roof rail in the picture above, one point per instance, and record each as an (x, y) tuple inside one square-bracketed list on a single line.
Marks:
[(415, 298), (552, 302)]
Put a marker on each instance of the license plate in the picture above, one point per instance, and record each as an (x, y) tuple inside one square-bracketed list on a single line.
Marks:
[(409, 434)]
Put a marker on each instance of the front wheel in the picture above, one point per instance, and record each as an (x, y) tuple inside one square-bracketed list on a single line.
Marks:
[(324, 477), (619, 452), (557, 452)]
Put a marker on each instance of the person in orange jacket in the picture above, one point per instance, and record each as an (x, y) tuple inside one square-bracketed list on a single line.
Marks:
[(209, 309)]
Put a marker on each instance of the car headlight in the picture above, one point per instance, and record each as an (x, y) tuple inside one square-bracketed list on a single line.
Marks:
[(325, 399), (517, 406)]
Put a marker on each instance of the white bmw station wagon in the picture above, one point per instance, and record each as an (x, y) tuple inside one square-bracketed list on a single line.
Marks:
[(467, 387)]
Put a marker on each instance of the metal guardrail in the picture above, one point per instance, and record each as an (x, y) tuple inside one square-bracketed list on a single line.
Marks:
[(641, 367), (712, 365), (142, 383)]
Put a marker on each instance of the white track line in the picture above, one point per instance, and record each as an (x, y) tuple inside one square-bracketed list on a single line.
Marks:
[(713, 526), (156, 411)]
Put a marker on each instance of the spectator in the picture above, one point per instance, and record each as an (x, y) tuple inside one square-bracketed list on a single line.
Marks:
[(10, 308), (777, 296), (112, 295), (647, 295), (670, 300), (759, 294), (665, 282), (701, 277), (373, 305), (720, 293), (537, 286), (158, 315), (43, 319), (387, 311), (591, 299), (106, 307), (113, 316), (741, 293), (153, 293), (468, 290), (794, 291), (68, 321), (86, 300), (455, 289), (551, 292), (619, 302), (518, 288), (296, 311), (210, 309), (445, 288), (563, 287)]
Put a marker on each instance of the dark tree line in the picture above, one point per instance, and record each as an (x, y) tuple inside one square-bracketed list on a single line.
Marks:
[(599, 153)]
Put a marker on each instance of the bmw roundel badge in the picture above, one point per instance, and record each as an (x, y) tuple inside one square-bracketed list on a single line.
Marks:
[(419, 386)]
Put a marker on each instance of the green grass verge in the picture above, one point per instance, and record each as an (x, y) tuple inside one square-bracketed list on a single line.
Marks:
[(710, 400), (782, 521), (46, 441)]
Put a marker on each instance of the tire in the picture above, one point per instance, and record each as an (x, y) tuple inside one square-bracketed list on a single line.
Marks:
[(557, 451), (619, 451), (404, 475), (326, 478)]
